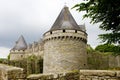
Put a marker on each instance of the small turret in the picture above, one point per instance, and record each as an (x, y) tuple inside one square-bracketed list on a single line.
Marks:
[(20, 44), (18, 51)]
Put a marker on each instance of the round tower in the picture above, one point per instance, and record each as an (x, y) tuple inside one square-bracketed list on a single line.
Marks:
[(64, 45)]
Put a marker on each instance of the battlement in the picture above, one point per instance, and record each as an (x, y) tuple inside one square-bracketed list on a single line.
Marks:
[(12, 51), (35, 47), (66, 34), (65, 31)]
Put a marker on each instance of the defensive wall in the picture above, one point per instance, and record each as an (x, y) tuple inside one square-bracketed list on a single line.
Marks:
[(95, 61), (14, 73), (11, 73)]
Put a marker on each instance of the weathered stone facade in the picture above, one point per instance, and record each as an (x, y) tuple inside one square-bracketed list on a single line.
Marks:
[(35, 48), (80, 75), (11, 73), (14, 73), (64, 51), (63, 47)]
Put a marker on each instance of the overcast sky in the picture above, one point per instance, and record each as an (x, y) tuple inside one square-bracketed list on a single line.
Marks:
[(31, 18)]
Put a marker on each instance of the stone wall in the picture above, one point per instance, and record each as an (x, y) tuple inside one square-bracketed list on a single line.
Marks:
[(64, 51), (60, 76), (35, 48), (11, 73), (14, 73), (99, 75), (97, 60), (114, 61), (17, 55), (82, 75), (31, 65)]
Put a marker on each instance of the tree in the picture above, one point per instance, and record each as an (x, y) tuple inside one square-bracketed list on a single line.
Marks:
[(106, 12), (108, 48), (105, 48)]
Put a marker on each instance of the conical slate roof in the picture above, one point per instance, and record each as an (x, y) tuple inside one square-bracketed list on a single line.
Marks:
[(65, 21), (20, 44)]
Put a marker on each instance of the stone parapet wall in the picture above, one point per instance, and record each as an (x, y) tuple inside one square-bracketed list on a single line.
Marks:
[(69, 34), (60, 76), (39, 53), (14, 73), (82, 75), (11, 73), (99, 75)]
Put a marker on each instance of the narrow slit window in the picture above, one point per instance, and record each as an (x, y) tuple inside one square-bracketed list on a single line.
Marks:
[(51, 32), (63, 30), (75, 31)]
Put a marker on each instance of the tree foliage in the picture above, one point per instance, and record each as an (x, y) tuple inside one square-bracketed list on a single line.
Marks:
[(107, 12), (108, 48)]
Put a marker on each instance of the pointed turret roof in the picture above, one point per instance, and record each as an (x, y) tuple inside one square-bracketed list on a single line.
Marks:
[(65, 21), (20, 44)]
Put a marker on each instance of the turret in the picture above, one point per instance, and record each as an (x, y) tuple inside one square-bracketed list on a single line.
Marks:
[(64, 45), (18, 51)]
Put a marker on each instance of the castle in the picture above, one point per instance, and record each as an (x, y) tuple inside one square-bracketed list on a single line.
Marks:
[(63, 47), (61, 53)]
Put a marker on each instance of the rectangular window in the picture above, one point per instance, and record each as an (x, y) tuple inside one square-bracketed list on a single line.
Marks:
[(63, 30), (75, 31)]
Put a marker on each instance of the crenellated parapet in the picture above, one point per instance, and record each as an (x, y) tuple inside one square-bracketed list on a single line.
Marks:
[(66, 35), (15, 51), (35, 47)]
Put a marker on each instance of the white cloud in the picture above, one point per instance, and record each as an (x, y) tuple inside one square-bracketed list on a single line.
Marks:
[(4, 52)]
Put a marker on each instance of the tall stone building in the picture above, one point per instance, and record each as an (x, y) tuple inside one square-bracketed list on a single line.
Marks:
[(63, 47)]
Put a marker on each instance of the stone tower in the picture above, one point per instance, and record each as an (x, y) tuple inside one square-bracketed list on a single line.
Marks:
[(18, 51), (65, 45)]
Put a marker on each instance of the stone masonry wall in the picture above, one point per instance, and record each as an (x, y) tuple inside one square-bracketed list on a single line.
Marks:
[(16, 55), (31, 65), (14, 73), (99, 61), (64, 55), (114, 61), (82, 75), (11, 73), (60, 76), (99, 75), (64, 51)]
